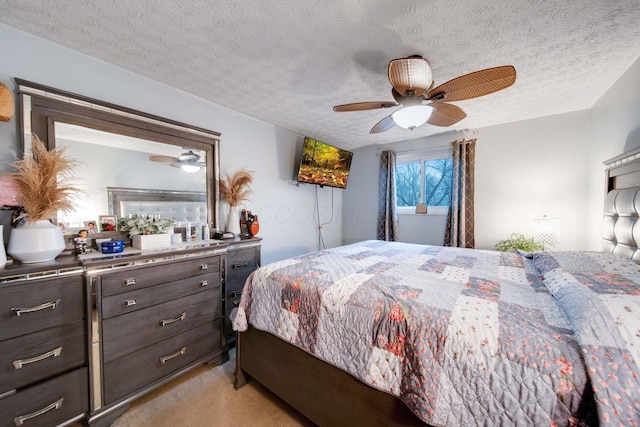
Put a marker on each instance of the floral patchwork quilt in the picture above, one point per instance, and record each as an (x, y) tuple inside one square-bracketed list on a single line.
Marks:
[(464, 336)]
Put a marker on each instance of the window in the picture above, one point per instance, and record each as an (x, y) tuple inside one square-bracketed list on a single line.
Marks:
[(408, 178), (425, 181)]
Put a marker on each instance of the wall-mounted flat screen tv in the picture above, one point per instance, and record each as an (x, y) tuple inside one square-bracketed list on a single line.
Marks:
[(324, 164)]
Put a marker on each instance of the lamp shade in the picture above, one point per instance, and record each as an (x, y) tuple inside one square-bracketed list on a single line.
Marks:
[(413, 116), (545, 231), (410, 74)]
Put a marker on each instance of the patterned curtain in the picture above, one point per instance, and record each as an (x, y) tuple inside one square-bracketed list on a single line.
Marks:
[(387, 215), (460, 222)]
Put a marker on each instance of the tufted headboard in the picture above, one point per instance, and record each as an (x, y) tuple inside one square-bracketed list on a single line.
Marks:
[(621, 227), (621, 224), (189, 206)]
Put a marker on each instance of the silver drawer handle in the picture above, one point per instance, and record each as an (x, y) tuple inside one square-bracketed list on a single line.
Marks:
[(204, 267), (204, 283), (130, 281), (21, 362), (170, 321), (240, 265), (18, 421), (20, 311), (165, 359), (130, 302)]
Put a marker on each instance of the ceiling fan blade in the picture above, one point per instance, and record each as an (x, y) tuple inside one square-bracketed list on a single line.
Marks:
[(164, 159), (359, 106), (445, 114), (383, 125), (474, 84)]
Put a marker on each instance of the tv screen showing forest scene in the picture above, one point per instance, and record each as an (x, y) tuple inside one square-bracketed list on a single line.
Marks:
[(324, 164)]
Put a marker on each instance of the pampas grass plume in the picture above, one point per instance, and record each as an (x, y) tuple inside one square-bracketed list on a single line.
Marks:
[(44, 181), (236, 188)]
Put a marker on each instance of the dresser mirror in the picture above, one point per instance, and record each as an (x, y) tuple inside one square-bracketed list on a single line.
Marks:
[(119, 148)]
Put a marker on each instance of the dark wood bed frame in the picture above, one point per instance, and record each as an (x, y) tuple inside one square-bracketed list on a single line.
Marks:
[(326, 395), (323, 393)]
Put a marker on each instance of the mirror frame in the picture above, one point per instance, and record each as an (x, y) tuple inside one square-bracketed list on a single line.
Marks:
[(41, 107)]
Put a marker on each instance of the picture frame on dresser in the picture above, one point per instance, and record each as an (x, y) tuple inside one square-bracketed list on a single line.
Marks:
[(91, 226), (108, 223)]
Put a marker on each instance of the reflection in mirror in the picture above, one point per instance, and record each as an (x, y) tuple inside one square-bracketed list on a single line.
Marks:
[(120, 148), (112, 160)]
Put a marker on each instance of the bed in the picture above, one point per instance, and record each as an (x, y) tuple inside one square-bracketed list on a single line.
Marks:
[(388, 333)]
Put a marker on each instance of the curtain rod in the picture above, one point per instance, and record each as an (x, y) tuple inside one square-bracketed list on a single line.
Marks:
[(463, 141), (466, 132)]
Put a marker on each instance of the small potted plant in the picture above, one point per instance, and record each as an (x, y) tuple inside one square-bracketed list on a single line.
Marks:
[(148, 231), (518, 241)]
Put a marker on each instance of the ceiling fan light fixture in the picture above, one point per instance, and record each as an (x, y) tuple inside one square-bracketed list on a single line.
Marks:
[(410, 75), (190, 167), (412, 117)]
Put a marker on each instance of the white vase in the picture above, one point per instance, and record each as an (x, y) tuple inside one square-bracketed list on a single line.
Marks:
[(233, 221), (3, 254), (36, 241)]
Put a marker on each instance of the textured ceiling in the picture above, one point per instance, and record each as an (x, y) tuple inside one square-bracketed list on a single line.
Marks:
[(288, 62)]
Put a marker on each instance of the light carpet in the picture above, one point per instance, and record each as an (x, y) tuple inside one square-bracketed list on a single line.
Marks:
[(205, 397)]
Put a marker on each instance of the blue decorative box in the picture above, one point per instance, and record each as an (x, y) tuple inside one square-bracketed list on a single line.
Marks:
[(112, 246)]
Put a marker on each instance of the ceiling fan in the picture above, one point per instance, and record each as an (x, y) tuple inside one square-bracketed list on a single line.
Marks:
[(189, 161), (412, 88)]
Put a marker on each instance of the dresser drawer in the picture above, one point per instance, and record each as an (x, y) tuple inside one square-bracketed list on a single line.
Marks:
[(30, 358), (141, 298), (241, 262), (145, 276), (139, 369), (234, 287), (34, 306), (47, 404), (232, 303), (130, 332)]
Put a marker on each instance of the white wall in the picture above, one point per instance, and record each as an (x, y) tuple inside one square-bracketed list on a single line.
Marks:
[(615, 124), (286, 212), (361, 198), (560, 158), (532, 168), (548, 166)]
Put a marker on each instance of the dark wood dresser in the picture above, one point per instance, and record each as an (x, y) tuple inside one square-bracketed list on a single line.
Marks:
[(80, 339), (43, 344), (155, 316)]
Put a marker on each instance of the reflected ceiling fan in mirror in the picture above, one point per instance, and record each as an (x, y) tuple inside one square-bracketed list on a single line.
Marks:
[(188, 162), (412, 88)]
